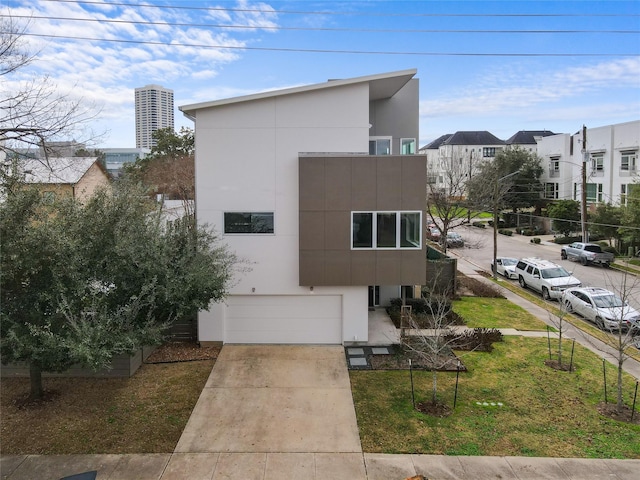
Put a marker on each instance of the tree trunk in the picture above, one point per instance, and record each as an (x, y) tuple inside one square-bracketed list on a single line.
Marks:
[(35, 375), (560, 347), (434, 396), (619, 402)]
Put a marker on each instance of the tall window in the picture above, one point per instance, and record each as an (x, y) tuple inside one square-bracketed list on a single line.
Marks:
[(628, 161), (407, 146), (379, 145), (554, 167), (626, 190), (386, 230), (248, 222), (594, 192)]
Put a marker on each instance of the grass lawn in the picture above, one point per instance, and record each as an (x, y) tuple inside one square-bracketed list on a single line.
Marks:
[(545, 412), (142, 414), (480, 312)]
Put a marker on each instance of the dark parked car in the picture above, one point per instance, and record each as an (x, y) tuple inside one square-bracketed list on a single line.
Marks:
[(454, 239)]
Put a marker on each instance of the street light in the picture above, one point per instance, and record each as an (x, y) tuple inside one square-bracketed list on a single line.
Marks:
[(495, 221)]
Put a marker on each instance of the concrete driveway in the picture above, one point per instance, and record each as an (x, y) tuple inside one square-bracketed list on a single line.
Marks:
[(274, 398)]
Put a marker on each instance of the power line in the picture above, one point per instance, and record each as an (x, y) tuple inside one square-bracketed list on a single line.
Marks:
[(315, 29), (319, 50), (372, 14)]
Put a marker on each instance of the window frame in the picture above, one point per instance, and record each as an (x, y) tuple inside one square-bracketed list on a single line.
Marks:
[(404, 231), (412, 143), (631, 157), (374, 140), (250, 222)]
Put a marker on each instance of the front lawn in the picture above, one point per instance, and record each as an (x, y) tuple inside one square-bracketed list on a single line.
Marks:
[(480, 312), (544, 412)]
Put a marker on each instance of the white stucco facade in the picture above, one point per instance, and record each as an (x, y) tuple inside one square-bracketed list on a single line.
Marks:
[(247, 161), (611, 158)]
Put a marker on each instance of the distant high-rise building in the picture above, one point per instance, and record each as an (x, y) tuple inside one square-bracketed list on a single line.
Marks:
[(154, 110)]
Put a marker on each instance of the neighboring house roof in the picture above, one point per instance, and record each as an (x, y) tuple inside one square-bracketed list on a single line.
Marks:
[(528, 137), (384, 85), (473, 138), (58, 170), (435, 144)]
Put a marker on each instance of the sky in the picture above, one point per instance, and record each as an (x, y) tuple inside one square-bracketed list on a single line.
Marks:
[(500, 66)]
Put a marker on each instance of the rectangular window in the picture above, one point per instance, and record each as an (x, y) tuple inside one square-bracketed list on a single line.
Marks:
[(490, 151), (362, 230), (379, 145), (628, 161), (407, 146), (597, 162), (594, 192), (623, 194), (248, 222), (386, 230), (551, 190)]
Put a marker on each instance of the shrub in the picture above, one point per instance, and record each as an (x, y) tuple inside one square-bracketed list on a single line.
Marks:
[(506, 232), (479, 224), (566, 240), (535, 240), (478, 339), (480, 288), (610, 249), (419, 306)]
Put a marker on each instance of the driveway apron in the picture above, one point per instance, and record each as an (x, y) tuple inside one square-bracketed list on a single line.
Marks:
[(274, 398)]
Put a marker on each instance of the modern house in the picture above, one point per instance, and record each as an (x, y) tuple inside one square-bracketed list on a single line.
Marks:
[(318, 189), (611, 157), (77, 177), (458, 158), (527, 140)]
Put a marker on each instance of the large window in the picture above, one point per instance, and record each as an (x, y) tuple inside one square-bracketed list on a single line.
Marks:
[(594, 192), (628, 161), (386, 230), (379, 145), (248, 222)]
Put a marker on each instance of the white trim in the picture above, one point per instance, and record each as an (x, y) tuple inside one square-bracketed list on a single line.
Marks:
[(374, 229)]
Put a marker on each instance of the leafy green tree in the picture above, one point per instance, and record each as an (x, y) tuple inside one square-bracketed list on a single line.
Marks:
[(524, 188), (169, 169), (606, 220), (82, 283), (631, 216), (565, 215)]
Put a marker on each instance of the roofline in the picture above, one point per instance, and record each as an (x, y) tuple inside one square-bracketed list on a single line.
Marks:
[(187, 109)]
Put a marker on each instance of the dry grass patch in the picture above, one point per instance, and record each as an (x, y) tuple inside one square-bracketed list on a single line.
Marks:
[(142, 414)]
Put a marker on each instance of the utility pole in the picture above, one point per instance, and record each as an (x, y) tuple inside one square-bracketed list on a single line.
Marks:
[(583, 206)]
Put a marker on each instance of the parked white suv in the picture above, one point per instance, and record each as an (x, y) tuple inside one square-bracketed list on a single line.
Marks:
[(544, 276)]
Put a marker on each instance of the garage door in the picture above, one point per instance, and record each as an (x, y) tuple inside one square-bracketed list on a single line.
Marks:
[(283, 319)]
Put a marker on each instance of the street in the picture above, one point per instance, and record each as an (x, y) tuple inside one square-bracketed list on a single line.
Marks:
[(479, 251)]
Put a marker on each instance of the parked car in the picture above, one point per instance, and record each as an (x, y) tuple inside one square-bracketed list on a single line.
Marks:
[(587, 253), (602, 307), (545, 277), (454, 239), (506, 266), (434, 234)]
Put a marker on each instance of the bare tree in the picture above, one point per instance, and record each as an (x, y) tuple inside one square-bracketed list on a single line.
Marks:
[(447, 204), (34, 112), (559, 320), (619, 339)]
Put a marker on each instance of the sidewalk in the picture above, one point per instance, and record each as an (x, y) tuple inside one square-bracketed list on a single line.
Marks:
[(309, 466)]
